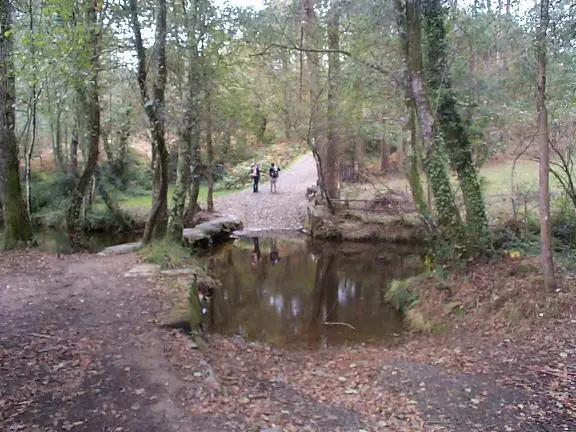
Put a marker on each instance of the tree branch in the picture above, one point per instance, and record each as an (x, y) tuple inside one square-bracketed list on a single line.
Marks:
[(322, 51)]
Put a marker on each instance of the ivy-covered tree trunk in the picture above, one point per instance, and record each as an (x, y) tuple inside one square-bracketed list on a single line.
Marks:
[(74, 144), (176, 220), (189, 149), (154, 108), (90, 101), (456, 140), (448, 217), (197, 172), (413, 165), (17, 229)]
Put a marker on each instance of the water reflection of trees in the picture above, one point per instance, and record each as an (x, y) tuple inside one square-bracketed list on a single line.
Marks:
[(288, 302)]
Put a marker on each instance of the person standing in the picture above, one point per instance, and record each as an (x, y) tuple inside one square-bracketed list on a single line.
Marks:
[(273, 173), (255, 177)]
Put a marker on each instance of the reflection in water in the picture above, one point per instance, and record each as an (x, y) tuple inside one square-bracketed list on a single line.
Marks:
[(293, 292)]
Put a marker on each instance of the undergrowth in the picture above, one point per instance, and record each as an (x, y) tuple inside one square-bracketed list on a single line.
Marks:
[(167, 253)]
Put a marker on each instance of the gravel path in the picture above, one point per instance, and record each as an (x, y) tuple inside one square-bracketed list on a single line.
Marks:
[(283, 210)]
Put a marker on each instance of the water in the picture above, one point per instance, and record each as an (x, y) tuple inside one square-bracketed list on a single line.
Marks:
[(54, 240), (296, 293)]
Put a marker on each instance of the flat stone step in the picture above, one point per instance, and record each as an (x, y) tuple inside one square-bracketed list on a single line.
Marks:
[(206, 233), (143, 270), (121, 249)]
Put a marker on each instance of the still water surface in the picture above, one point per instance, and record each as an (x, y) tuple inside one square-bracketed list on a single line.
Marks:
[(295, 293)]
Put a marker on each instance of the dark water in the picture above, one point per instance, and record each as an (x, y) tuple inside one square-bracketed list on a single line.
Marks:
[(286, 292), (54, 240)]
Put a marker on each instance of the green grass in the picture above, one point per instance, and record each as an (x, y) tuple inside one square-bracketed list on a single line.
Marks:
[(144, 202), (167, 254), (499, 177), (496, 178)]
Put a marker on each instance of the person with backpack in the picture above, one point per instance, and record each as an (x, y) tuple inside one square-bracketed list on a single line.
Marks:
[(255, 177), (273, 173)]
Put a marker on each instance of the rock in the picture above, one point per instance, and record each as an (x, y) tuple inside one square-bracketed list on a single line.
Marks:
[(212, 383), (206, 233), (178, 317), (195, 237), (272, 429), (177, 272), (143, 270), (120, 249)]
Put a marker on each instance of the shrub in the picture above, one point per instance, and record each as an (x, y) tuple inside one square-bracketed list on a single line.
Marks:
[(166, 253), (401, 296)]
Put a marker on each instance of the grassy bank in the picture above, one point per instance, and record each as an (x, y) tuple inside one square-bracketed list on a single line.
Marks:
[(499, 185)]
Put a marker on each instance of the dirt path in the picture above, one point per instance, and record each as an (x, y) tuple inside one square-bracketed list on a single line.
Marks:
[(282, 210), (80, 350)]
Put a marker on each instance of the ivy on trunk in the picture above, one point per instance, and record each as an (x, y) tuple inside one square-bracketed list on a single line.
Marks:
[(456, 140)]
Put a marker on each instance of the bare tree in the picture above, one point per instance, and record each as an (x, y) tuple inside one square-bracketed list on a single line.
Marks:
[(546, 259)]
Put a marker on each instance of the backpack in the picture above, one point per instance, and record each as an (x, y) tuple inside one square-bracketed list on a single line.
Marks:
[(274, 172)]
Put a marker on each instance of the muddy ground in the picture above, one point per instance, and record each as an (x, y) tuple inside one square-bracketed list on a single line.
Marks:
[(80, 350)]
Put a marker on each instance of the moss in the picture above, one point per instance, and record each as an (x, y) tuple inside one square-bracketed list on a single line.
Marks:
[(166, 253), (417, 322), (195, 310), (401, 296), (17, 231)]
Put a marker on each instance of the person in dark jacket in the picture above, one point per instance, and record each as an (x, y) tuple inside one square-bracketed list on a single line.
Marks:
[(255, 177), (273, 173)]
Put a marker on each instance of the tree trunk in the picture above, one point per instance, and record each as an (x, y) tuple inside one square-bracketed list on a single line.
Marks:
[(287, 108), (124, 222), (413, 168), (546, 259), (34, 109), (74, 144), (89, 95), (17, 229), (360, 153), (448, 217), (176, 221), (262, 129), (332, 165), (190, 142), (384, 155), (154, 108), (456, 140), (210, 154), (315, 138)]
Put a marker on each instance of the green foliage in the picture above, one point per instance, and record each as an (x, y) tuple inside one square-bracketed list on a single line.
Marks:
[(401, 296), (167, 253), (50, 191)]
